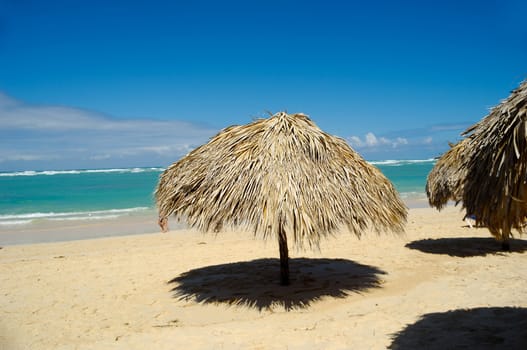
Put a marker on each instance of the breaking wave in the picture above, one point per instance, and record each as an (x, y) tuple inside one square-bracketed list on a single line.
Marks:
[(21, 219), (76, 172), (402, 162)]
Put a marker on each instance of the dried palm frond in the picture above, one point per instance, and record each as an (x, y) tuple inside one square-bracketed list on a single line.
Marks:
[(445, 181), (279, 177), (495, 189)]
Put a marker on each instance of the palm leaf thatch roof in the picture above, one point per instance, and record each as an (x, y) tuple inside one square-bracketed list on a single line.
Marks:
[(445, 180), (495, 189), (279, 177)]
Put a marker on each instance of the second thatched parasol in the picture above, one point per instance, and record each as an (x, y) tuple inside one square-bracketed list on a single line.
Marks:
[(445, 180), (495, 188), (279, 177)]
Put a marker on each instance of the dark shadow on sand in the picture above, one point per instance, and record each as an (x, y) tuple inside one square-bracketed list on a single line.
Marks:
[(479, 328), (466, 247), (256, 283)]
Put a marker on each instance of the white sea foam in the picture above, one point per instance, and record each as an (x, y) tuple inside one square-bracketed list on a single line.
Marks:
[(90, 217), (389, 162), (14, 222), (413, 195), (394, 162), (20, 219), (86, 171)]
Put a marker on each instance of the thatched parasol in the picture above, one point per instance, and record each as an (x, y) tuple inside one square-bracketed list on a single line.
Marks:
[(445, 180), (279, 177), (495, 189)]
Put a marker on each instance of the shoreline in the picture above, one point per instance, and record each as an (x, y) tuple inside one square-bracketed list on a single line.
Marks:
[(45, 231)]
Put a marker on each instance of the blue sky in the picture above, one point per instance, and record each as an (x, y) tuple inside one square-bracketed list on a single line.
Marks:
[(88, 84)]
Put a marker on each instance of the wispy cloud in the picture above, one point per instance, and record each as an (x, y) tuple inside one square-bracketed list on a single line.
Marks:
[(424, 142), (457, 127), (61, 137), (428, 140), (435, 134), (372, 141), (28, 157), (71, 137), (450, 129)]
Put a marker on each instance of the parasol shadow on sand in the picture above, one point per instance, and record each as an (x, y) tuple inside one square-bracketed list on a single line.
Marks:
[(482, 328), (281, 178), (253, 283), (465, 247)]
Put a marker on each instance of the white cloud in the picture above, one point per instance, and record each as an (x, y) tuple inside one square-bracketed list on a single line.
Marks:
[(100, 157), (371, 141), (401, 141), (408, 143), (42, 133), (26, 157), (457, 127), (17, 115), (355, 141)]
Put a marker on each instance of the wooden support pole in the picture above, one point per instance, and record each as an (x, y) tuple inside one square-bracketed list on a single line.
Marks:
[(284, 256)]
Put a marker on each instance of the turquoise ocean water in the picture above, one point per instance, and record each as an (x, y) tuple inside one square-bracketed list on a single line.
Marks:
[(31, 197)]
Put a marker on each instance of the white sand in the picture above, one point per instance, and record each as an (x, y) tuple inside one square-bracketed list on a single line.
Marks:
[(450, 287)]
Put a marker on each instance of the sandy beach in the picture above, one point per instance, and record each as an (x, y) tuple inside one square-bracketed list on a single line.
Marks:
[(441, 285)]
